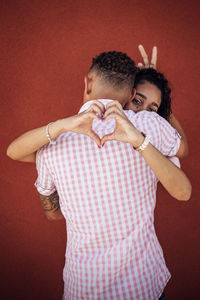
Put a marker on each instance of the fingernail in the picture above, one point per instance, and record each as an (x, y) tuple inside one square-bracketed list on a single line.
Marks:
[(99, 146), (102, 145)]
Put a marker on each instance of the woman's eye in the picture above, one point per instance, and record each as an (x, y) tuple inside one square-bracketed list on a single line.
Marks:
[(137, 101), (151, 109)]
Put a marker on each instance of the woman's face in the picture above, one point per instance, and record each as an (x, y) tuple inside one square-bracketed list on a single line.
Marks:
[(148, 97)]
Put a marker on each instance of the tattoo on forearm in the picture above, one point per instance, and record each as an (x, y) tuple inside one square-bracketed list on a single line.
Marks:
[(51, 202)]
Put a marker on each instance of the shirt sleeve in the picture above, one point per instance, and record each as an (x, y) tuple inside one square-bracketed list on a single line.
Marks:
[(175, 161), (163, 136), (44, 183), (170, 138)]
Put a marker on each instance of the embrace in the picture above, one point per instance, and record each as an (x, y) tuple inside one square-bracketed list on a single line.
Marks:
[(99, 170)]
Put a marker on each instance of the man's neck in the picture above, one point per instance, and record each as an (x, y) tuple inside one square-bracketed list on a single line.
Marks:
[(96, 88), (122, 101)]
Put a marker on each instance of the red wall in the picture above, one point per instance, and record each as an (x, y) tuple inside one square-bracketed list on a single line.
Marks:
[(46, 49)]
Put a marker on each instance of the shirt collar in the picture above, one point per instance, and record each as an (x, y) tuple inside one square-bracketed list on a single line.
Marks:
[(88, 104)]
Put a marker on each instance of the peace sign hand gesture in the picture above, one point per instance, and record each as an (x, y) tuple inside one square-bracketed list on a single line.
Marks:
[(147, 63)]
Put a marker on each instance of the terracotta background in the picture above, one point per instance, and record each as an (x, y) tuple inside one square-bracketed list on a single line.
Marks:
[(46, 49)]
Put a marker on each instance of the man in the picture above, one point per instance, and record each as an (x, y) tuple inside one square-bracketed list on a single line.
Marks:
[(106, 189)]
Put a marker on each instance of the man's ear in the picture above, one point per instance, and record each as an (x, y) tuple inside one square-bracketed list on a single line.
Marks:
[(132, 96), (88, 85)]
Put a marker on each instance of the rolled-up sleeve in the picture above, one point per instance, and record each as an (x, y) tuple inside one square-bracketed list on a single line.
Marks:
[(175, 161), (44, 183)]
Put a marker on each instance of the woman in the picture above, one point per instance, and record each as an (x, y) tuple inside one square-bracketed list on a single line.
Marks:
[(153, 94)]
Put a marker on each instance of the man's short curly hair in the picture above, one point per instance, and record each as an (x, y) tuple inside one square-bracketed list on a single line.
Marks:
[(158, 79), (116, 68)]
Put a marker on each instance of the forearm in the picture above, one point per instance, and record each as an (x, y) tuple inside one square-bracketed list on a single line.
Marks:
[(24, 147), (175, 123), (171, 177)]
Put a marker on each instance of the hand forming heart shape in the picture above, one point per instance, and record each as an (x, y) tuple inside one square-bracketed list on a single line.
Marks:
[(124, 130)]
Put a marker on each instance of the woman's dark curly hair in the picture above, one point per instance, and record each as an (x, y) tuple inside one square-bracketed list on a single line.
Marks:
[(158, 79)]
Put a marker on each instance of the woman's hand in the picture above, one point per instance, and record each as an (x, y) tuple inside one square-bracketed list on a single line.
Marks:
[(82, 123), (147, 63), (124, 131)]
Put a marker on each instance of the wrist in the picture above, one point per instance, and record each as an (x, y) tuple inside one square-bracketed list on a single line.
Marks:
[(137, 142), (69, 124), (145, 143), (56, 128), (64, 125)]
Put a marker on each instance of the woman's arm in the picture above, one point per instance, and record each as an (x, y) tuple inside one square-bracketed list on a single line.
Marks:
[(172, 178), (25, 146)]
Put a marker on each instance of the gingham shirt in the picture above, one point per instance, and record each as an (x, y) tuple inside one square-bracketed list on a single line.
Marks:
[(107, 197)]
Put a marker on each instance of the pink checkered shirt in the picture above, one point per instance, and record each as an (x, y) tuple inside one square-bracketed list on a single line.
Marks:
[(107, 197)]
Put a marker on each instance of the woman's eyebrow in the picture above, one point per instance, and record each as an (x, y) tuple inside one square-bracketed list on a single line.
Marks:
[(141, 95)]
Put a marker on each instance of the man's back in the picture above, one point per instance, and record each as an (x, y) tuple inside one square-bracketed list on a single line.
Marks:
[(107, 196)]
